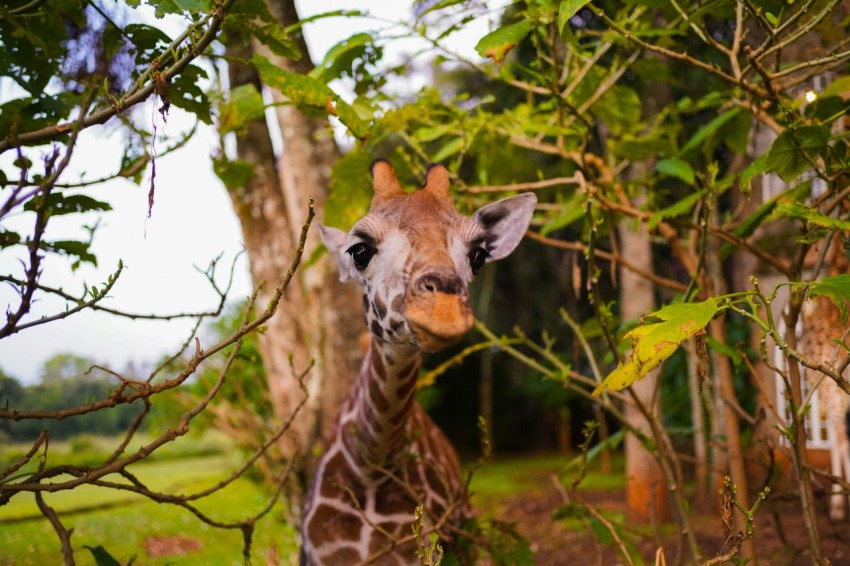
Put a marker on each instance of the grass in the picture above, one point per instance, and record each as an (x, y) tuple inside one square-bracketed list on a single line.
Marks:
[(525, 474), (123, 522), (89, 449), (129, 521)]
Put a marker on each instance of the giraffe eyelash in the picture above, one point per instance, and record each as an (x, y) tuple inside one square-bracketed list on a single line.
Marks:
[(361, 254), (477, 258)]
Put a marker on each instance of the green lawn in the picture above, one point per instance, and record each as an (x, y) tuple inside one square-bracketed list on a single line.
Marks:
[(124, 527), (129, 522), (525, 474)]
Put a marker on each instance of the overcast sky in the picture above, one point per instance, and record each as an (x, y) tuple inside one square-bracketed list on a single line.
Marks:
[(192, 223)]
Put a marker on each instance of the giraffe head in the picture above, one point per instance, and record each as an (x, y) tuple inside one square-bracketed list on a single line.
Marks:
[(414, 256)]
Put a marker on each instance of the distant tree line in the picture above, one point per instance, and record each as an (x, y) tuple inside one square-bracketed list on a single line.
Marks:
[(66, 381)]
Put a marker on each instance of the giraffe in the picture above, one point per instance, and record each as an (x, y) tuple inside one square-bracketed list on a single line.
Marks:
[(823, 329), (413, 255)]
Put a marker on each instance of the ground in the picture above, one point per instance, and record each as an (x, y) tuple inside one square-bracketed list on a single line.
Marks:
[(562, 542), (525, 491)]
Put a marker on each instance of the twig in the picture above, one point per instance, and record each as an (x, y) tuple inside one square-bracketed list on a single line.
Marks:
[(63, 533)]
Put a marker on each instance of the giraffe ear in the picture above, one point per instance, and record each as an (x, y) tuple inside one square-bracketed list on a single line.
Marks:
[(504, 223), (334, 240)]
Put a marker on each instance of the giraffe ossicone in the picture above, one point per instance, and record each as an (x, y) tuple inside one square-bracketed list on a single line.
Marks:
[(414, 256)]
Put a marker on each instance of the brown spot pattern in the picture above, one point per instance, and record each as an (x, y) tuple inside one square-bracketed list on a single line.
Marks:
[(329, 524), (397, 303)]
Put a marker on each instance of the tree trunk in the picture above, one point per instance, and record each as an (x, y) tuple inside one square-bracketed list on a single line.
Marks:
[(729, 456), (319, 318), (702, 489), (646, 490)]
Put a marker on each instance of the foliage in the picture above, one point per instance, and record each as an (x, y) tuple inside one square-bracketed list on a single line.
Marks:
[(66, 381), (68, 68), (618, 114), (660, 334), (622, 114)]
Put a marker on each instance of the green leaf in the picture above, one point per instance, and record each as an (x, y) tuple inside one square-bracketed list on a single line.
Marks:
[(659, 335), (9, 238), (60, 203), (792, 152), (771, 18), (449, 148), (307, 91), (789, 208), (570, 511), (148, 41), (757, 167), (72, 248), (620, 109), (101, 556), (340, 57), (764, 212), (194, 5), (234, 174), (827, 109), (675, 167), (836, 88), (186, 94), (243, 105), (681, 207), (275, 38), (430, 134), (324, 15), (834, 287), (571, 211), (652, 70), (497, 44), (350, 191), (708, 130), (435, 6), (301, 89), (736, 132), (726, 350), (640, 148), (567, 10)]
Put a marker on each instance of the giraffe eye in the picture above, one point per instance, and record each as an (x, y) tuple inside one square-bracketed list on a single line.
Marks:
[(477, 258), (361, 255)]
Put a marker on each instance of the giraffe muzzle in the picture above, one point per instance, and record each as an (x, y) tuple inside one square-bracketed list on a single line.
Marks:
[(437, 310)]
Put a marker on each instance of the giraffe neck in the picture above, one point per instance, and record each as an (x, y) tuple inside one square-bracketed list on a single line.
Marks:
[(372, 426)]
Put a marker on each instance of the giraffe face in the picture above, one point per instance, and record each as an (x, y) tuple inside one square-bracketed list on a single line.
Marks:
[(414, 256)]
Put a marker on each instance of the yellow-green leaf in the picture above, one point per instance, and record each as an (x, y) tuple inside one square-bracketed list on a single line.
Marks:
[(675, 167), (308, 91), (567, 10), (497, 44), (655, 340), (681, 207), (243, 105), (790, 208), (836, 288), (449, 148)]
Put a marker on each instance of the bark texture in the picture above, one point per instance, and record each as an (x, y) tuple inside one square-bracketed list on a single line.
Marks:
[(647, 497), (319, 319)]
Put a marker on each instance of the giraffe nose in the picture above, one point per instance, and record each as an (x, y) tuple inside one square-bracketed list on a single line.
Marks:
[(440, 282)]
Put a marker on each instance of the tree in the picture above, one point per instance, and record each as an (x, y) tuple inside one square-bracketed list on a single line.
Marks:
[(75, 67), (559, 108), (64, 366), (576, 122), (269, 204)]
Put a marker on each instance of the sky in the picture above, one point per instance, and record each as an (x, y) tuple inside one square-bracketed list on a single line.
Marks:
[(192, 223)]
